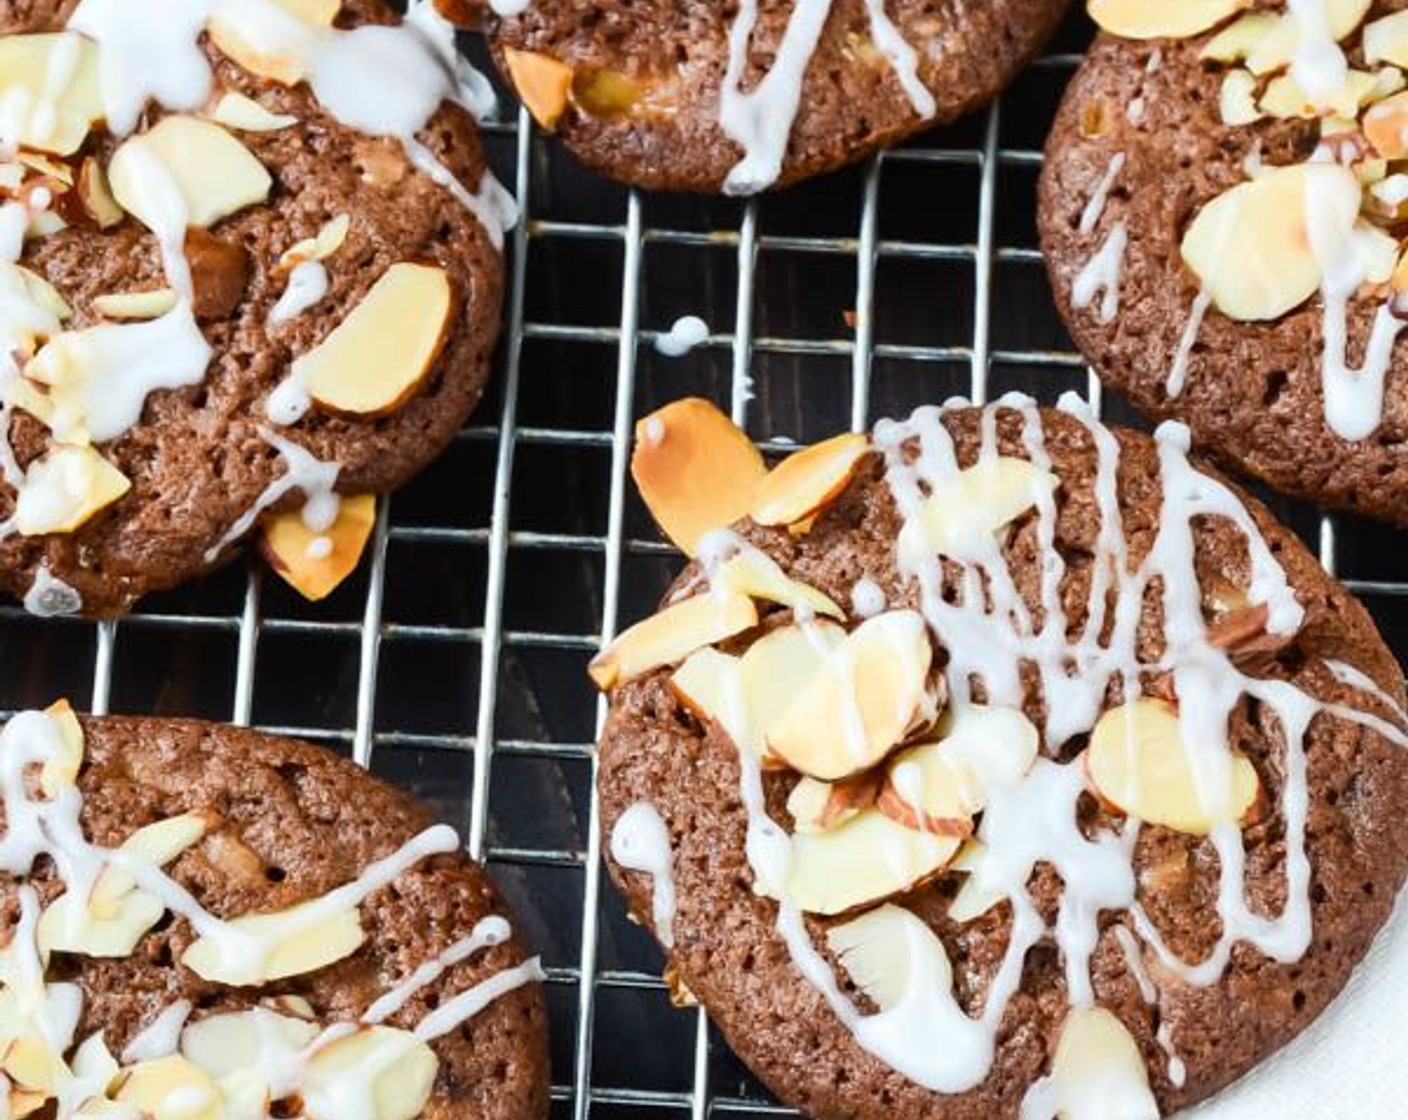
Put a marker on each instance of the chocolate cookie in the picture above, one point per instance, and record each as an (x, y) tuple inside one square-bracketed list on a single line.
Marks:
[(310, 944), (740, 98), (997, 762), (238, 278), (1221, 213)]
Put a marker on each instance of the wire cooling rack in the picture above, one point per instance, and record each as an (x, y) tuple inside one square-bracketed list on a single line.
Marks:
[(454, 662)]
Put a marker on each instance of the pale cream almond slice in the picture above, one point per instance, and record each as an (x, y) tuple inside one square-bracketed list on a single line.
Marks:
[(711, 685), (1098, 1069), (963, 515), (285, 943), (159, 844), (1276, 50), (1285, 99), (892, 956), (213, 173), (1249, 247), (861, 704), (235, 110), (378, 357), (820, 806), (390, 1070), (62, 770), (1238, 39), (1162, 19), (807, 480), (69, 925), (315, 564), (1386, 40), (671, 635), (1138, 763), (96, 195), (41, 292), (1385, 126), (865, 860), (695, 469), (135, 306), (277, 43), (66, 488), (974, 898), (171, 1088), (58, 71), (542, 83), (939, 786), (222, 1045), (778, 667), (329, 240), (756, 574), (26, 1102), (31, 1063), (1237, 99)]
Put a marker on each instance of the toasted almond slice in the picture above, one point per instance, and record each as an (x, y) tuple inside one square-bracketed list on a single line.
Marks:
[(43, 293), (271, 43), (235, 110), (327, 242), (1138, 763), (62, 770), (1384, 126), (285, 943), (672, 635), (96, 195), (64, 489), (159, 844), (819, 806), (710, 684), (171, 1089), (756, 574), (696, 470), (975, 898), (807, 480), (1162, 19), (543, 84), (777, 668), (1386, 40), (390, 1070), (59, 69), (1097, 1062), (225, 1045), (961, 517), (135, 305), (862, 702), (1276, 50), (1239, 38), (314, 564), (891, 955), (1237, 99), (862, 861)]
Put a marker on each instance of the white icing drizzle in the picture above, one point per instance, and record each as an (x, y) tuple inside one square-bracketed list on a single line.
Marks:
[(307, 284), (988, 633), (867, 598), (160, 1037), (687, 332), (489, 932), (1101, 275), (1178, 372), (640, 841), (1318, 66), (304, 472), (902, 56), (1177, 1071), (1095, 207), (50, 597), (463, 1007)]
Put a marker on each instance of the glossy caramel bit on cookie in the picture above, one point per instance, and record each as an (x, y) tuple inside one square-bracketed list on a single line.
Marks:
[(1075, 712), (221, 1037), (177, 267)]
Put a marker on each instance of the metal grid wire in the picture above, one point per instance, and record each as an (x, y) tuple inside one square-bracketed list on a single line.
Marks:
[(454, 662)]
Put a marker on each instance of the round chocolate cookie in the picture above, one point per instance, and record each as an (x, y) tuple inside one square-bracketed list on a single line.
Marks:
[(1223, 245), (271, 281), (380, 968), (998, 762), (740, 98)]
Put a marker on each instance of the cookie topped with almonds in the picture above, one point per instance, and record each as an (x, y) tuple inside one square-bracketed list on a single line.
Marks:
[(740, 98), (207, 923), (1222, 212), (239, 282), (998, 762)]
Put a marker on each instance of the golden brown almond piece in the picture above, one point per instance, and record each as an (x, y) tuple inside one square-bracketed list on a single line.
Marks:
[(219, 273), (696, 470), (808, 480), (818, 806), (315, 564), (543, 84), (672, 635), (1385, 124), (1162, 19), (96, 195)]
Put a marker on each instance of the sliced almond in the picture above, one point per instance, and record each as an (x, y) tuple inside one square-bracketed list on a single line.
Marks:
[(542, 82), (777, 668), (1238, 39), (818, 806), (41, 292), (963, 514), (235, 110), (1277, 49), (159, 844), (975, 898), (327, 242), (314, 564), (938, 787), (390, 1070), (1386, 40), (672, 635), (891, 955), (861, 703), (807, 480), (69, 925), (96, 195), (284, 943), (1098, 1067), (171, 1089), (862, 861), (55, 74), (224, 1045), (1386, 126), (66, 488), (214, 173), (29, 1061), (1284, 98), (135, 305), (1160, 19), (273, 44), (754, 573), (62, 770), (382, 353), (1138, 763), (1237, 99), (695, 469), (710, 684)]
